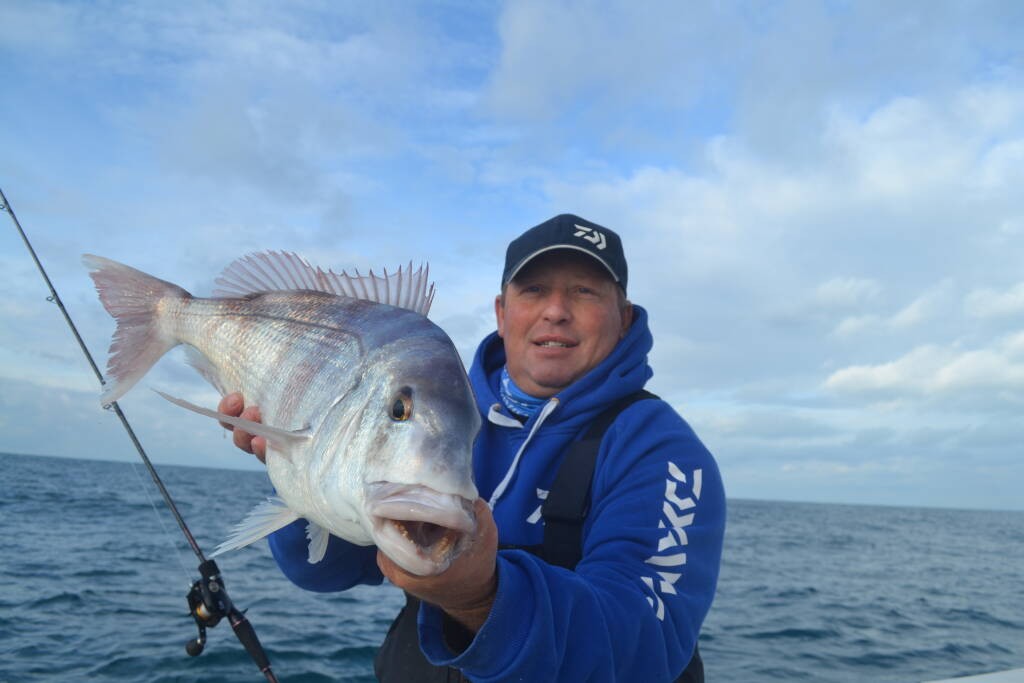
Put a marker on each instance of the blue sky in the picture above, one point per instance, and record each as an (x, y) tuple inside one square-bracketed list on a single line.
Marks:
[(820, 204)]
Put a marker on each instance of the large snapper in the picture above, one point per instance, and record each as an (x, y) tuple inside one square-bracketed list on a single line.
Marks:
[(366, 407)]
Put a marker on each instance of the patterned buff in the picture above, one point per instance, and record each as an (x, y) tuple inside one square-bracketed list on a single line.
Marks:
[(515, 399)]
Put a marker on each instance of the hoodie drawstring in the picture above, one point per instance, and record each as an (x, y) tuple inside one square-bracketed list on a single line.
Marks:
[(548, 408)]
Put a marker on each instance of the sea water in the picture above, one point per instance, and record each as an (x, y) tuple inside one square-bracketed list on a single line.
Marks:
[(94, 575)]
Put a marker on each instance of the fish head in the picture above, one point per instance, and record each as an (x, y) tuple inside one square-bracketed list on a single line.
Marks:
[(409, 453)]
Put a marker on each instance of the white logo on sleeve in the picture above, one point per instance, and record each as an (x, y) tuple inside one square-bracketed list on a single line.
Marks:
[(589, 234), (677, 515)]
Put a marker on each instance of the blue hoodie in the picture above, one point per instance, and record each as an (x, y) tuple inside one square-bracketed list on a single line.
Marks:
[(634, 605)]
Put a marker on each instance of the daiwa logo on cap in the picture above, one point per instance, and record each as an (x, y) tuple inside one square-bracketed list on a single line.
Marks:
[(590, 235), (567, 231)]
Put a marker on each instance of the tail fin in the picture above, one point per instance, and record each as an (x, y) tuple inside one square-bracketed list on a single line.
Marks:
[(132, 298)]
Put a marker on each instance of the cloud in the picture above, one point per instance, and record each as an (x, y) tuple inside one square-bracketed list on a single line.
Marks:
[(769, 73), (847, 292), (831, 468), (236, 104), (47, 28), (991, 303), (932, 370), (53, 420), (756, 262), (556, 54), (934, 302), (905, 148)]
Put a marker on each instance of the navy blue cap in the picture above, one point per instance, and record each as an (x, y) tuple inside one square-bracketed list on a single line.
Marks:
[(567, 231)]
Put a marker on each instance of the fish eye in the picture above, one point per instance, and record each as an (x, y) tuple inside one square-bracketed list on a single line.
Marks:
[(401, 407)]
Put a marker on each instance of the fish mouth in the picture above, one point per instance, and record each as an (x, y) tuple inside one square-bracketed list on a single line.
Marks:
[(420, 529)]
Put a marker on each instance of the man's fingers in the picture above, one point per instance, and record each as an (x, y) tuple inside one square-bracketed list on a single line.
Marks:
[(256, 445), (242, 439), (387, 567), (483, 511), (232, 405), (259, 448)]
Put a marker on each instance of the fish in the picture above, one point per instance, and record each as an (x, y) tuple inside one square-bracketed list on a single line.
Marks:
[(366, 406)]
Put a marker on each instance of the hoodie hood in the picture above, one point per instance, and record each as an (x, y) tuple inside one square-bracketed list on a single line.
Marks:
[(623, 372)]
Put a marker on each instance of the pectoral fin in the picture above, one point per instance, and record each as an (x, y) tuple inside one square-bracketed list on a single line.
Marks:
[(263, 520), (281, 439), (318, 537)]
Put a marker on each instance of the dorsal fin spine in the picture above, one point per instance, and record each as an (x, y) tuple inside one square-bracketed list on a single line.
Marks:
[(410, 294), (362, 285), (301, 274), (401, 289), (277, 267), (282, 266), (258, 267), (285, 271), (306, 273)]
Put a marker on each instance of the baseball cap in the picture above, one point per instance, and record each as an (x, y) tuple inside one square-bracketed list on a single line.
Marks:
[(567, 231)]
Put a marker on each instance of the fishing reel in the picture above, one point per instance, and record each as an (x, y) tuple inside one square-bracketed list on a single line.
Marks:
[(208, 603)]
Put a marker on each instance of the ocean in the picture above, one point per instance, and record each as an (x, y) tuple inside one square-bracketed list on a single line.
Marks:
[(95, 572)]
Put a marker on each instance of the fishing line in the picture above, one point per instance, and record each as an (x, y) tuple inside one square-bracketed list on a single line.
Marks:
[(171, 539), (208, 600)]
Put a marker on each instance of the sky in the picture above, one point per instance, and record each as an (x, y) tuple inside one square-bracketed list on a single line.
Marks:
[(816, 199)]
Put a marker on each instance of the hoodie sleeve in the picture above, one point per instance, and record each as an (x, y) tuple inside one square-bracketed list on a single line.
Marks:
[(633, 608), (344, 565)]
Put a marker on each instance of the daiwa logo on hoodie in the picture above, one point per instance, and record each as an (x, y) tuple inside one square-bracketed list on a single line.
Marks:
[(671, 556)]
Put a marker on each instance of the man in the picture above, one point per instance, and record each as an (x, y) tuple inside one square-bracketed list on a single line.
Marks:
[(569, 348)]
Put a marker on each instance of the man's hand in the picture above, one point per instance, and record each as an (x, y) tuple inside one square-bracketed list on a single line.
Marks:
[(466, 590), (234, 405)]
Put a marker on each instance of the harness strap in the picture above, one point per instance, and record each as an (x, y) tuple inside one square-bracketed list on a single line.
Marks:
[(568, 501)]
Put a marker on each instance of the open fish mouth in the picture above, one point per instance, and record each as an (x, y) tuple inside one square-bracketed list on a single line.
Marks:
[(420, 529)]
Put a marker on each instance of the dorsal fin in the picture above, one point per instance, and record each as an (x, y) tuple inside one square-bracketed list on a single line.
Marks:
[(276, 271)]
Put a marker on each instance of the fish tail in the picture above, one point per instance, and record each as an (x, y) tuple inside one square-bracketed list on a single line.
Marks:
[(133, 299)]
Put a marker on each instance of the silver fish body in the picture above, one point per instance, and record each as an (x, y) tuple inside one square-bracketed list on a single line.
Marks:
[(366, 406)]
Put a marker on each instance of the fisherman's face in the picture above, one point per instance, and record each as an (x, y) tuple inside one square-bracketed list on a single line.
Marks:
[(559, 318)]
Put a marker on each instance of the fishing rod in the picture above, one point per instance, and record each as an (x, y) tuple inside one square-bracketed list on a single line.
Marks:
[(208, 600)]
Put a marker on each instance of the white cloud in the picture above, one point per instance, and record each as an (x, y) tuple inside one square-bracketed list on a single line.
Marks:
[(1003, 166), (857, 324), (931, 370), (916, 311), (991, 303), (555, 54), (901, 149), (847, 292), (47, 28), (832, 468), (1012, 227), (932, 303)]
